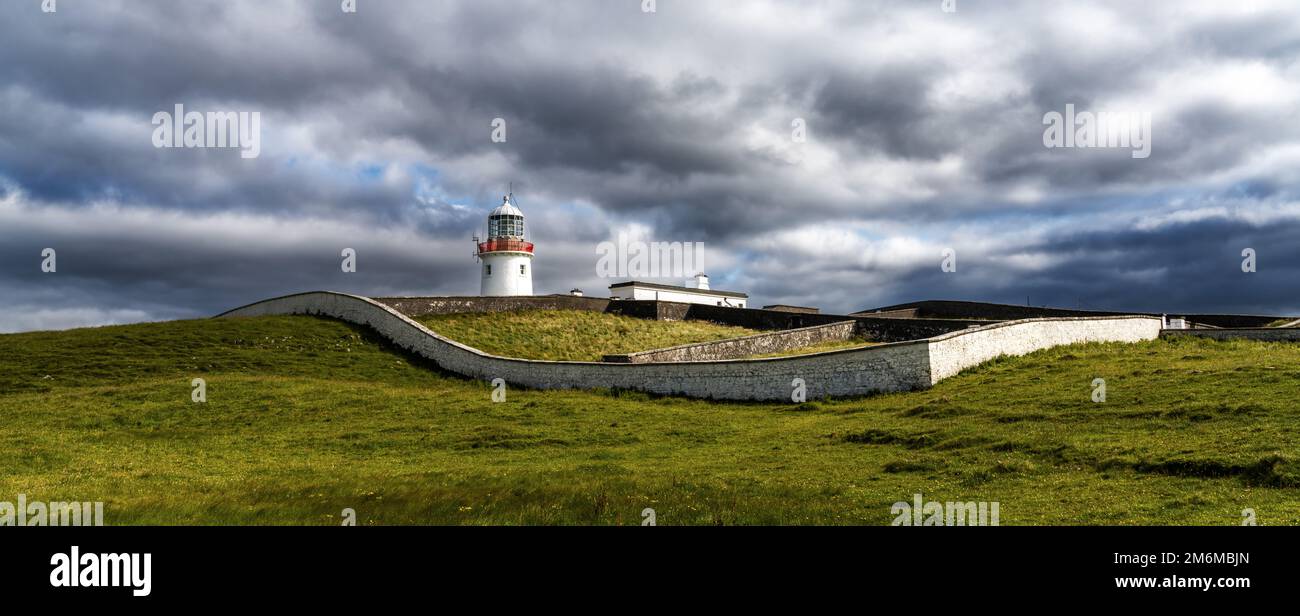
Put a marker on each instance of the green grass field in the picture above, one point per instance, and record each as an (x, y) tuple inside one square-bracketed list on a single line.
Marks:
[(307, 416), (571, 335)]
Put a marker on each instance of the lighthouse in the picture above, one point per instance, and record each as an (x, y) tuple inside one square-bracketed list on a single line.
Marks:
[(507, 258)]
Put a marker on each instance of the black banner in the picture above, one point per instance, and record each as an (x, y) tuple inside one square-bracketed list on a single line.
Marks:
[(318, 566)]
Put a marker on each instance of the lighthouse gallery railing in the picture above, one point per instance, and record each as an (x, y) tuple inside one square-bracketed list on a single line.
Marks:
[(501, 245)]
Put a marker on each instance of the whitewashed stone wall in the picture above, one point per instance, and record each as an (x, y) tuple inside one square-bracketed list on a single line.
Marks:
[(898, 366), (953, 352), (888, 367)]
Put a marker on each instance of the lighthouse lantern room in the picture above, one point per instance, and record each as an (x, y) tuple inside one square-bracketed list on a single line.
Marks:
[(507, 258)]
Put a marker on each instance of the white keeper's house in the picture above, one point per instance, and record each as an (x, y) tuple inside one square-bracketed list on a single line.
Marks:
[(699, 294)]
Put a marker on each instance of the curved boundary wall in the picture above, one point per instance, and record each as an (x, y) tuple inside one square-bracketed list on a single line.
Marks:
[(953, 352), (898, 366)]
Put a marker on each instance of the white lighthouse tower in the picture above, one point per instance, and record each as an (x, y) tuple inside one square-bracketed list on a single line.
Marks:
[(507, 258)]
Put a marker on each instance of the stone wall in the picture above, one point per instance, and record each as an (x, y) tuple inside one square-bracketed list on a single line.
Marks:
[(887, 329), (872, 328), (754, 318), (1274, 334), (954, 352), (901, 313), (898, 366), (651, 309), (789, 308), (890, 367), (745, 346), (639, 309)]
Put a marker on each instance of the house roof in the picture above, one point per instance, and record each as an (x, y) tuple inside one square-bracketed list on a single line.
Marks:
[(669, 287)]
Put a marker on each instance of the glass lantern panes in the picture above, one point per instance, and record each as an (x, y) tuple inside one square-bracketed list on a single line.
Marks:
[(505, 225)]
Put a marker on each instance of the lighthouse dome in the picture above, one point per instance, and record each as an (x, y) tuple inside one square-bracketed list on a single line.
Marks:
[(506, 208), (506, 221)]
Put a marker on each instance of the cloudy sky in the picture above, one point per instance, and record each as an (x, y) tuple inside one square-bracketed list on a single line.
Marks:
[(924, 132)]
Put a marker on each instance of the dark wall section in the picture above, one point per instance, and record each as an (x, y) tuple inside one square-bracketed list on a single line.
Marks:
[(649, 309), (949, 309), (946, 309), (899, 330), (904, 313), (789, 308), (872, 328), (758, 319)]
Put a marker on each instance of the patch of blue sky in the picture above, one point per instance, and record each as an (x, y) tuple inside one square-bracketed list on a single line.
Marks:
[(428, 190), (371, 171)]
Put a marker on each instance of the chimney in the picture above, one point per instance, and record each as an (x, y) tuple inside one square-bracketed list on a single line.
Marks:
[(701, 281)]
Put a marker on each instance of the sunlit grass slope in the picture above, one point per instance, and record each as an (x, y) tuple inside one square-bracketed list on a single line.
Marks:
[(306, 417), (572, 335)]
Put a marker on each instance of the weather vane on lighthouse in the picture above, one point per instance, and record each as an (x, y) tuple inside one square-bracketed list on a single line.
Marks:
[(507, 258)]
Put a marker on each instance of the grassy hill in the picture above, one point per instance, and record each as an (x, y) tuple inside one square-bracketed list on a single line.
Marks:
[(307, 416), (571, 335)]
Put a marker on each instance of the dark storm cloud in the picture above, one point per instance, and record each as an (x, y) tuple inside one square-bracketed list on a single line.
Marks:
[(886, 111), (1189, 267), (925, 131), (1193, 266)]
